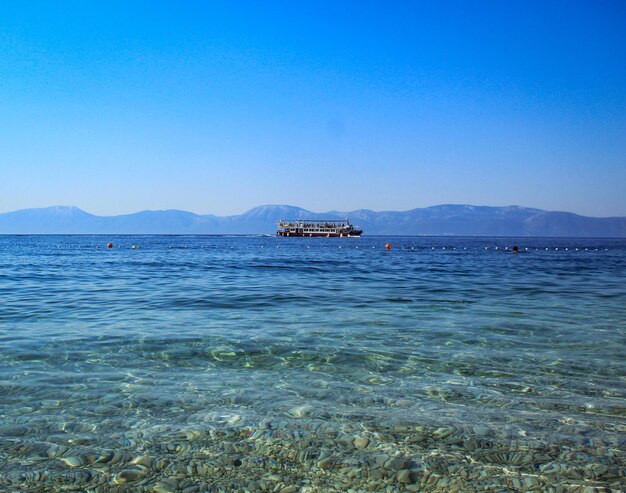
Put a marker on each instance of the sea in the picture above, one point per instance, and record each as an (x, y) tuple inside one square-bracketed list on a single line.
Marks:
[(265, 364)]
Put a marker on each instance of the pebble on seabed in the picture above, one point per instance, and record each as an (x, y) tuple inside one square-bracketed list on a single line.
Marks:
[(316, 456)]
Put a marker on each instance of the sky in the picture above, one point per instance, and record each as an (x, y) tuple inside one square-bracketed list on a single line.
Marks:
[(117, 107)]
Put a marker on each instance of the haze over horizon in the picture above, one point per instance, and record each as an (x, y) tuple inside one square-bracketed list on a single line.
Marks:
[(219, 108), (66, 208)]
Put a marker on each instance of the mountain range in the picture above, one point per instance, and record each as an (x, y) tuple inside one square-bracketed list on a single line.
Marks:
[(453, 220)]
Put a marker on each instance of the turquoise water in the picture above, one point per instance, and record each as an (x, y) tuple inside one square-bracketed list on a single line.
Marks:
[(199, 363)]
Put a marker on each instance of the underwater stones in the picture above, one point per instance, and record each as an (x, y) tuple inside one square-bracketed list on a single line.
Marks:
[(74, 477), (404, 403), (550, 468), (329, 462), (531, 482), (192, 488), (89, 457), (143, 460), (77, 427), (24, 410), (381, 459), (223, 354), (105, 410), (481, 430), (301, 411), (268, 453), (306, 455), (189, 435), (50, 404), (471, 444), (345, 440), (371, 426), (104, 457), (177, 447), (13, 431), (166, 486), (597, 470), (201, 469), (54, 450), (130, 475), (443, 432), (289, 489), (400, 427), (253, 486), (20, 477), (74, 461), (397, 464), (360, 442), (404, 476), (430, 480), (558, 488)]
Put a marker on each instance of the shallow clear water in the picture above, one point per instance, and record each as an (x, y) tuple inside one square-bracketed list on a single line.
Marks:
[(262, 363)]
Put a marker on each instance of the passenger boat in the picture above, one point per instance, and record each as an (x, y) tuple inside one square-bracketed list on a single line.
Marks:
[(309, 227)]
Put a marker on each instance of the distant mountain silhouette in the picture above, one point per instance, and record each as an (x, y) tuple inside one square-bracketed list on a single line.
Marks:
[(460, 220)]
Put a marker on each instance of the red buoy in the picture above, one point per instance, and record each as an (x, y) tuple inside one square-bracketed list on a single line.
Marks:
[(109, 245)]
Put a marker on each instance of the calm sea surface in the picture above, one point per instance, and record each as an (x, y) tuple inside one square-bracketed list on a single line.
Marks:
[(215, 363)]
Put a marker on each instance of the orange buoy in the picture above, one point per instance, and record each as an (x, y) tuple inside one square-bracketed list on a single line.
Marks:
[(109, 245), (387, 246)]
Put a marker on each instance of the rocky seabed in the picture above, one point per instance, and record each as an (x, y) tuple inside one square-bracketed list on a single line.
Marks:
[(316, 458)]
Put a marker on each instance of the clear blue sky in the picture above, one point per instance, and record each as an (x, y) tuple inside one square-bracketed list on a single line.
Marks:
[(117, 107)]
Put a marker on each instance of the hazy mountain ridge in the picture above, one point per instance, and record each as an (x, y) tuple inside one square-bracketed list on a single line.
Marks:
[(447, 219)]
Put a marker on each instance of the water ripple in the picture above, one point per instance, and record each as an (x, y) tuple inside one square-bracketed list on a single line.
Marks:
[(436, 349)]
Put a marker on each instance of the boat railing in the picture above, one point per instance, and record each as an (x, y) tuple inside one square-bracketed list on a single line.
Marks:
[(313, 223)]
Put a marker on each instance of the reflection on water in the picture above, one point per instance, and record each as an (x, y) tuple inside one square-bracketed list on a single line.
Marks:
[(313, 365)]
